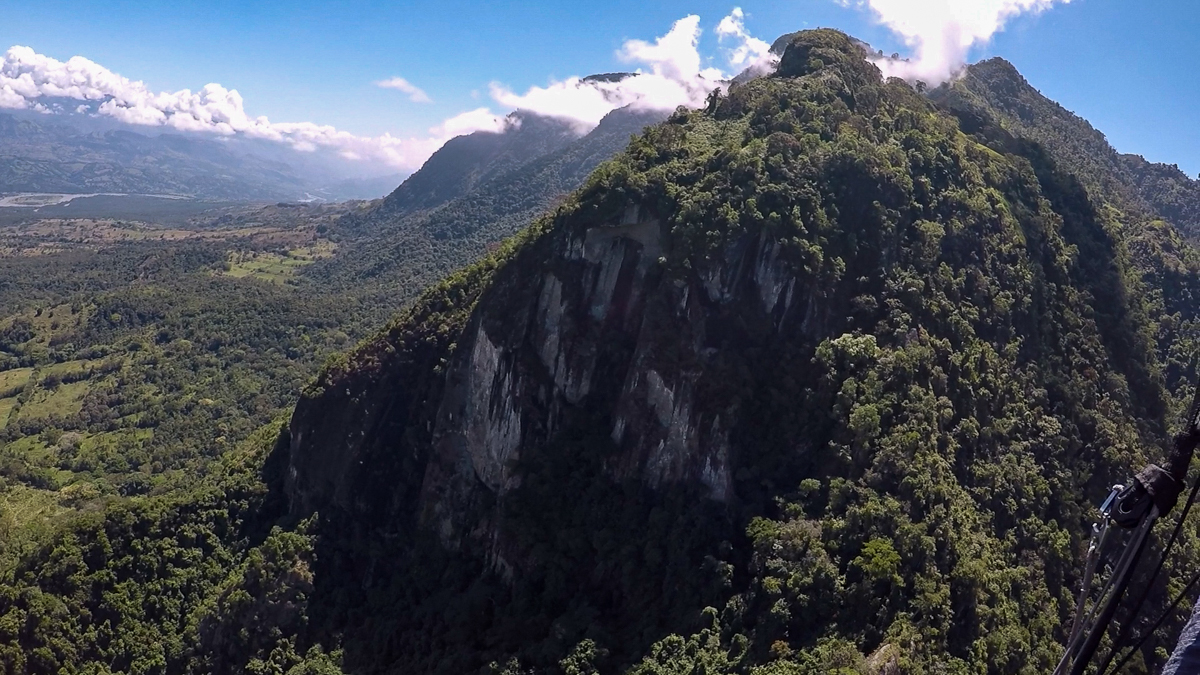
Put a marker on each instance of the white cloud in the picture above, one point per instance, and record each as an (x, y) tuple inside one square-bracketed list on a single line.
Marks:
[(479, 119), (941, 32), (415, 93), (670, 72), (26, 77), (572, 99), (10, 98), (749, 50), (672, 56), (676, 76)]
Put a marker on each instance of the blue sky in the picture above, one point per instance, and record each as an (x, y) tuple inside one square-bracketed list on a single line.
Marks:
[(1126, 66)]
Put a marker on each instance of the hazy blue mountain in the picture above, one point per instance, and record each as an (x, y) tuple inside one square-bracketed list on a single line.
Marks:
[(467, 161), (77, 154)]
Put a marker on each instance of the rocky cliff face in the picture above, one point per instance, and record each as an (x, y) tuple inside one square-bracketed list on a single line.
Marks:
[(581, 335), (593, 325), (622, 319), (847, 365)]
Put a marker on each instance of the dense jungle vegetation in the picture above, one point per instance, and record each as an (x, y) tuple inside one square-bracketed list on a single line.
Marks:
[(128, 366), (1012, 329)]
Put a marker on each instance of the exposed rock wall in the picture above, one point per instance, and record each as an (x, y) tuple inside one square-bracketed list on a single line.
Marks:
[(591, 325)]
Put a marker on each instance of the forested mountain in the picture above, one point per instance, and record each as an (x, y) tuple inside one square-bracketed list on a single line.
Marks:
[(466, 161), (41, 154), (471, 194), (995, 88), (827, 376)]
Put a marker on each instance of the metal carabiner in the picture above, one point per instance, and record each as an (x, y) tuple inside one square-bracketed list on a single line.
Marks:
[(1095, 545)]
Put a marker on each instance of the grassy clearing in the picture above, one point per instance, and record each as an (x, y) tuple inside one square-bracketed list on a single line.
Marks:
[(318, 251), (27, 504), (23, 506), (62, 401), (13, 381), (273, 266), (115, 440), (6, 408), (46, 323), (29, 447), (69, 369), (53, 321)]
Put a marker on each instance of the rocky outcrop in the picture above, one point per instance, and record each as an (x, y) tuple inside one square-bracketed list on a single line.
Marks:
[(606, 318), (595, 325)]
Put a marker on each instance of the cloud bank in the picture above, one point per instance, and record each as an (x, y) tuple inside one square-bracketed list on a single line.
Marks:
[(674, 78), (668, 72), (415, 93), (942, 32), (28, 80)]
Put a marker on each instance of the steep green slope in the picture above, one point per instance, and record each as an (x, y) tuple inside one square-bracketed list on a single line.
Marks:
[(994, 89), (471, 194), (994, 102), (467, 161), (822, 378), (1170, 192)]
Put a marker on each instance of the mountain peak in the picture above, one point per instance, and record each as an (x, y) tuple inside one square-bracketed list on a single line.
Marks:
[(809, 51), (608, 77), (1000, 76), (999, 64)]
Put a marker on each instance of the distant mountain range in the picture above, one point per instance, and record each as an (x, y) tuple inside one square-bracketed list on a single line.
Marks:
[(473, 192), (39, 154)]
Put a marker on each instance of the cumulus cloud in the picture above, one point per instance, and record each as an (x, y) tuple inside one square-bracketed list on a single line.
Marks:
[(415, 93), (27, 77), (748, 51), (669, 73), (479, 119), (941, 32), (673, 56)]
